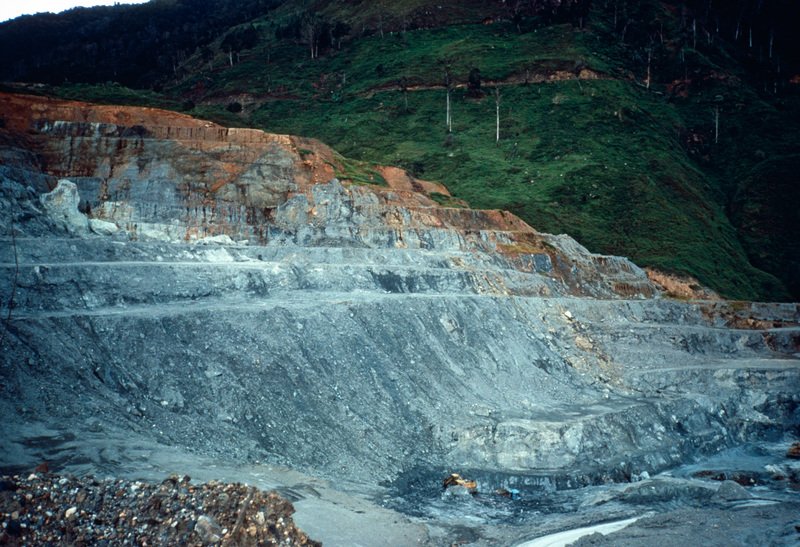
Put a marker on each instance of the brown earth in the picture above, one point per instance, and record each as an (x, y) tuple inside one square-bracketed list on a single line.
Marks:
[(683, 287)]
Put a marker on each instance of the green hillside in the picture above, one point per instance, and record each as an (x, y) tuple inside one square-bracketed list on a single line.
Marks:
[(691, 170)]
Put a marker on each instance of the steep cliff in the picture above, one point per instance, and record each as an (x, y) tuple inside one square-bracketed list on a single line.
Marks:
[(172, 283)]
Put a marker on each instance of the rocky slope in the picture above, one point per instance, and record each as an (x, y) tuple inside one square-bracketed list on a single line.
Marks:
[(176, 285)]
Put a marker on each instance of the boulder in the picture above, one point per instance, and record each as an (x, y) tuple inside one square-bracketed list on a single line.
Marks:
[(731, 491), (208, 530), (61, 206), (102, 227)]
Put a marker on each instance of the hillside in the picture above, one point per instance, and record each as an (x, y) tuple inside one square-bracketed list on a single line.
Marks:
[(188, 298), (662, 131)]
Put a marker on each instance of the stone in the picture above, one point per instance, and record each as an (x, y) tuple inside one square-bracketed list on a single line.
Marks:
[(731, 491), (221, 239), (794, 451), (103, 227), (118, 509), (207, 529), (61, 206)]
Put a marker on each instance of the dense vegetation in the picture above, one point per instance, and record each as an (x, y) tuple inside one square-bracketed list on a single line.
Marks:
[(664, 131)]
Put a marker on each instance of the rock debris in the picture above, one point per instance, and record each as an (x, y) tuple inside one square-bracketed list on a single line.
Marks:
[(45, 509)]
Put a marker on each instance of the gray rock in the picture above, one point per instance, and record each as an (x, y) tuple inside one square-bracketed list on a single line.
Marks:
[(731, 491), (221, 239), (207, 529), (102, 227), (61, 206)]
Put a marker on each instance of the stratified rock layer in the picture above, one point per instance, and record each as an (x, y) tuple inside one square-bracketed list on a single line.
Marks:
[(252, 306)]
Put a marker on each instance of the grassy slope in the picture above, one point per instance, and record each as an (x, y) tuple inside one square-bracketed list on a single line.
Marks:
[(602, 160)]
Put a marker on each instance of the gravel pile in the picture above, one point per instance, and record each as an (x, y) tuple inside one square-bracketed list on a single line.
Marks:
[(63, 510)]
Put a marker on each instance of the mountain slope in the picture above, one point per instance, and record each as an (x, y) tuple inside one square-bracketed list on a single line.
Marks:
[(204, 299), (652, 167)]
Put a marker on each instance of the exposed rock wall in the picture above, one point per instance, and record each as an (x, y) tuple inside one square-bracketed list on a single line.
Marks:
[(358, 330)]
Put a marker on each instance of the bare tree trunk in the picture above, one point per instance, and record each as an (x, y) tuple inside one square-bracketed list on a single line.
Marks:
[(716, 125), (771, 41), (649, 63), (685, 66), (230, 56), (497, 113), (310, 33), (449, 120), (447, 84), (694, 33)]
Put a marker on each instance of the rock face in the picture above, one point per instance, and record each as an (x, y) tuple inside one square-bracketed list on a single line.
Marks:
[(61, 205), (361, 331), (168, 177)]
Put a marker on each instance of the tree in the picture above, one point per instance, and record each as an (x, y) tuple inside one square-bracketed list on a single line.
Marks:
[(716, 124), (497, 112), (309, 29), (239, 40), (448, 86)]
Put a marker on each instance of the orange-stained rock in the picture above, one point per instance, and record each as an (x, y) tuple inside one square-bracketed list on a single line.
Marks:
[(156, 174)]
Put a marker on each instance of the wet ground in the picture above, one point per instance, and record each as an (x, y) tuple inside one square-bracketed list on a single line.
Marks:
[(754, 485)]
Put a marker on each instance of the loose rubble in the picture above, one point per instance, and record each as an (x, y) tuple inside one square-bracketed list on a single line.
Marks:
[(64, 510)]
